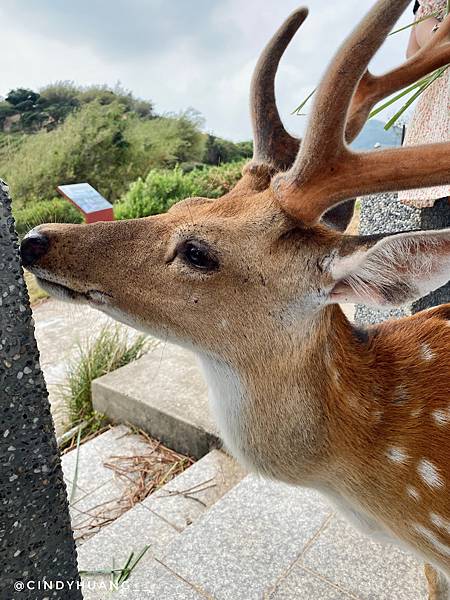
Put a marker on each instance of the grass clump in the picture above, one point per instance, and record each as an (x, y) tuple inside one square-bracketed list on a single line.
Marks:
[(109, 351)]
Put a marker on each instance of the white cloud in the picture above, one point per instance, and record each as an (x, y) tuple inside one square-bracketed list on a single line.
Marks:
[(178, 54)]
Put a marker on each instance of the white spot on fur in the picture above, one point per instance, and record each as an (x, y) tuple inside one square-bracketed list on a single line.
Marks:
[(431, 538), (413, 493), (401, 393), (430, 474), (426, 352), (397, 455), (417, 412), (377, 415), (440, 522), (441, 416)]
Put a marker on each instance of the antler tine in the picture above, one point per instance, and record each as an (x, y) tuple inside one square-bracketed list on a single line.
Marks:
[(274, 147), (372, 89), (324, 148), (325, 135)]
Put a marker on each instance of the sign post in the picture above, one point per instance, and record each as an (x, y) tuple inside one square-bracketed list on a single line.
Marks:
[(90, 202)]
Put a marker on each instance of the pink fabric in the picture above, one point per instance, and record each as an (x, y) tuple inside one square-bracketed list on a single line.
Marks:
[(431, 120)]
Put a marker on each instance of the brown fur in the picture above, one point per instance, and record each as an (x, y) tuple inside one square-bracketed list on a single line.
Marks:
[(304, 397), (322, 406)]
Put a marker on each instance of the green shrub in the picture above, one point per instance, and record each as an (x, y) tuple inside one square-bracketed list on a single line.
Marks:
[(163, 142), (10, 143), (88, 146), (161, 189), (49, 211), (214, 182), (154, 195), (219, 151), (102, 144)]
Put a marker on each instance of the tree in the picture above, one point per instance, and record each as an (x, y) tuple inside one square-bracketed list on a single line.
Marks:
[(219, 151), (22, 97)]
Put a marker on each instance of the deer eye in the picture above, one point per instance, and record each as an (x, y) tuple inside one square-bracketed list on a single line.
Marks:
[(198, 256)]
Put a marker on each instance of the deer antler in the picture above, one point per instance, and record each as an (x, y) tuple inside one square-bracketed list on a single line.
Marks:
[(274, 147), (326, 171)]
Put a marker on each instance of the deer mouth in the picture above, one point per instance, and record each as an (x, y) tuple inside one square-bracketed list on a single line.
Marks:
[(68, 294)]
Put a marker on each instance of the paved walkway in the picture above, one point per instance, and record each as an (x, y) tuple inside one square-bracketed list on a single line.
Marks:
[(60, 328), (260, 541)]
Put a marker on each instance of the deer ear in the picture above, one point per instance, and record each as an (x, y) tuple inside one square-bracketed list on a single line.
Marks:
[(392, 271), (339, 216)]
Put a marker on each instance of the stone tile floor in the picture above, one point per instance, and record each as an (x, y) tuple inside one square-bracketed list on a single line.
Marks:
[(261, 541), (98, 492), (215, 535)]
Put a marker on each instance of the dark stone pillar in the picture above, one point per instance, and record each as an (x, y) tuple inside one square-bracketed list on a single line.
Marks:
[(36, 541), (383, 213)]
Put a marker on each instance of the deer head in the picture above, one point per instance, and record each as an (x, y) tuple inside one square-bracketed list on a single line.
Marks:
[(251, 282), (269, 256)]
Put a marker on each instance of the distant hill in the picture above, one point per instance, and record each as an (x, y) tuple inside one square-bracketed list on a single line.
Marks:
[(374, 133)]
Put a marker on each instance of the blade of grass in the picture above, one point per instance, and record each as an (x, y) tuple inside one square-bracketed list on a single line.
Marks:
[(415, 23), (398, 96), (297, 110), (124, 568), (75, 475), (119, 576), (407, 104), (100, 572), (133, 565)]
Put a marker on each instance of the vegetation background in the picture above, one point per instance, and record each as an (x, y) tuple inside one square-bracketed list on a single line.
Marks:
[(141, 161)]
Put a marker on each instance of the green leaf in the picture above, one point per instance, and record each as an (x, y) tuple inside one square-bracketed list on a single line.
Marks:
[(133, 565), (124, 569), (398, 96), (415, 22), (407, 104), (297, 110)]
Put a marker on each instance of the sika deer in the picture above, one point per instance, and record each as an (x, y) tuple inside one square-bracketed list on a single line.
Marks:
[(251, 283)]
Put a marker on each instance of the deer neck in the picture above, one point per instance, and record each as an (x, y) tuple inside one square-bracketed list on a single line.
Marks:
[(277, 405)]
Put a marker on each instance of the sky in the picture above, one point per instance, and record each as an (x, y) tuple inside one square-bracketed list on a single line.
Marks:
[(179, 53)]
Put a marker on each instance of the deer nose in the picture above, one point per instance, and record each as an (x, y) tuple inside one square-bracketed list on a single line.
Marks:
[(33, 247)]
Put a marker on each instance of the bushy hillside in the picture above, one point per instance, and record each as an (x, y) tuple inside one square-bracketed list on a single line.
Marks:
[(153, 195), (66, 134), (101, 144), (26, 110)]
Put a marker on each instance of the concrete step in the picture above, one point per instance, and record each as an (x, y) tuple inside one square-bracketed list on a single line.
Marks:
[(95, 501), (96, 486), (164, 394), (268, 541), (157, 521)]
